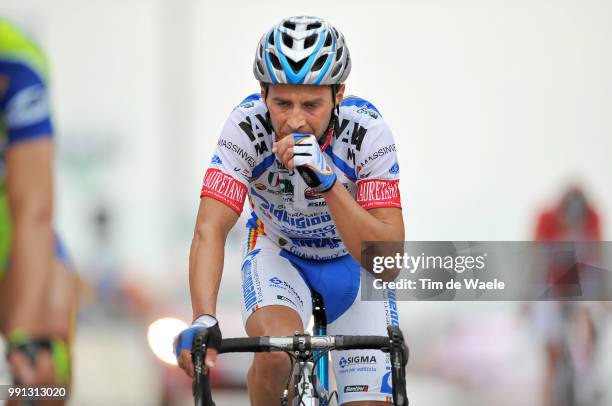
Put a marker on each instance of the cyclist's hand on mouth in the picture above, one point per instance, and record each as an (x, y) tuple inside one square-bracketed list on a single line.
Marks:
[(183, 344), (283, 148), (302, 152)]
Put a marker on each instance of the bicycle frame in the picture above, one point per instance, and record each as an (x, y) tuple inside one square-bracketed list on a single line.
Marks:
[(320, 329)]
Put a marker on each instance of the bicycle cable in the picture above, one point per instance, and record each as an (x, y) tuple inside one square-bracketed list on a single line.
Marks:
[(285, 397)]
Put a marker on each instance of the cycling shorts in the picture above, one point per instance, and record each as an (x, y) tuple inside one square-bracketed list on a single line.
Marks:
[(273, 276)]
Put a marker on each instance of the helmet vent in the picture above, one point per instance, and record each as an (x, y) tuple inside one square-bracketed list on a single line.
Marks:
[(271, 38), (313, 26), (310, 41), (336, 71), (289, 25), (287, 40), (296, 66), (319, 63), (339, 53), (275, 62), (328, 40), (259, 68), (260, 51)]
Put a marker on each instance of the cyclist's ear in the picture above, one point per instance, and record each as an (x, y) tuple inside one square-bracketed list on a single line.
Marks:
[(264, 90), (340, 94)]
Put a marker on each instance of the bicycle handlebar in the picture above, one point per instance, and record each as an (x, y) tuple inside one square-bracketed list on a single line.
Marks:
[(394, 343), (304, 343)]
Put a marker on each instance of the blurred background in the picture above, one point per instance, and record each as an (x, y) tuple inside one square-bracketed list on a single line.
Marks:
[(498, 110)]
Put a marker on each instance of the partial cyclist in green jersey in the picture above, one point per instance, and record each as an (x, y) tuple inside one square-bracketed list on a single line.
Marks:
[(37, 293)]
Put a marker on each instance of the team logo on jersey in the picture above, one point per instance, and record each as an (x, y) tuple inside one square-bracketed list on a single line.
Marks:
[(368, 112), (312, 194), (260, 186), (286, 187), (394, 170), (28, 106), (273, 179), (379, 153), (246, 105), (235, 148), (362, 175), (242, 171), (216, 160), (282, 242), (317, 204)]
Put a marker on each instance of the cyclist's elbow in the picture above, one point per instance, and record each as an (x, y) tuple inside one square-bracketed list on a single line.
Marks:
[(209, 230)]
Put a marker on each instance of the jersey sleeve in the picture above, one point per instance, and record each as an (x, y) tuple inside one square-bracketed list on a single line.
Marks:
[(231, 166), (378, 169), (24, 107)]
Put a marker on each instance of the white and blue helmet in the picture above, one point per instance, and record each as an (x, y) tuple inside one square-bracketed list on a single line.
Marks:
[(302, 51)]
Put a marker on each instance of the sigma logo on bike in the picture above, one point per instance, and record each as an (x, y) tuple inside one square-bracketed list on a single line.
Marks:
[(216, 160), (394, 170), (356, 360), (355, 388)]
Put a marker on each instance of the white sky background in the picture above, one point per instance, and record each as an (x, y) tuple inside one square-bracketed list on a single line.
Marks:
[(494, 106)]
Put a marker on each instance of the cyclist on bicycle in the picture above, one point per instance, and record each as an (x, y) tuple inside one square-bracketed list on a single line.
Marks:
[(321, 174), (37, 293)]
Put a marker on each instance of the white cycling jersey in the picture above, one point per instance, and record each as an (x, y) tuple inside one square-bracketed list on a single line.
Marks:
[(361, 152)]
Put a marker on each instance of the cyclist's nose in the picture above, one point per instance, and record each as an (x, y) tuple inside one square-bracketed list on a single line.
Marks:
[(296, 122)]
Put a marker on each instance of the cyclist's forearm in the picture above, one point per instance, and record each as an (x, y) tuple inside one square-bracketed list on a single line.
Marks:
[(205, 269), (30, 267), (355, 224)]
